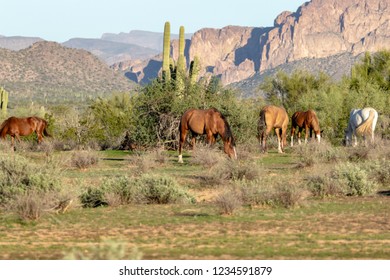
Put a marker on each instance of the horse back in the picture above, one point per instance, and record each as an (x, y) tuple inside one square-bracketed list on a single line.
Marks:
[(193, 120), (274, 116)]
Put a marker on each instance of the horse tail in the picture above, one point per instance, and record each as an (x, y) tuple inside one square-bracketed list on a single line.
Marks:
[(2, 127), (366, 127), (46, 133), (45, 125), (262, 124)]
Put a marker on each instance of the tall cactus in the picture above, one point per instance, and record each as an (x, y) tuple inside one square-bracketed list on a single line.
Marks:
[(194, 70), (3, 100), (181, 63), (166, 75)]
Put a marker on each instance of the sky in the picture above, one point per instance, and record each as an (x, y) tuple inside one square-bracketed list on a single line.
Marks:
[(61, 20)]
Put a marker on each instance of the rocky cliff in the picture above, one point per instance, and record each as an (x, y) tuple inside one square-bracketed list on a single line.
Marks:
[(318, 29)]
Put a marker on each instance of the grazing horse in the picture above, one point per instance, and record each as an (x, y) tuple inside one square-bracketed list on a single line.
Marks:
[(210, 122), (16, 127), (273, 117), (305, 120), (361, 122)]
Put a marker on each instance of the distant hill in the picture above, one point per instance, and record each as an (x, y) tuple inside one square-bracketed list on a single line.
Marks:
[(17, 42), (110, 51), (335, 66), (47, 71), (146, 39)]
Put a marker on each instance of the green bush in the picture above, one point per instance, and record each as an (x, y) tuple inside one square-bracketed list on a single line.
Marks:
[(162, 190), (147, 188), (84, 159), (94, 197), (123, 188), (18, 175), (228, 202), (354, 179), (324, 186), (286, 195)]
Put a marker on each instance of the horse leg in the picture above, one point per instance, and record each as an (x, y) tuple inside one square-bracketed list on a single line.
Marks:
[(181, 143), (307, 134), (354, 139), (292, 135), (299, 136), (40, 137), (277, 131), (283, 138)]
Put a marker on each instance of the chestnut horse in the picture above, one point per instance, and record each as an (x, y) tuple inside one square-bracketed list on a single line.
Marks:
[(273, 117), (361, 122), (210, 122), (305, 120), (16, 127)]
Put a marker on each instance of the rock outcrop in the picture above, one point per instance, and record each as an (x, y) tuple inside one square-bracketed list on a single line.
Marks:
[(318, 29)]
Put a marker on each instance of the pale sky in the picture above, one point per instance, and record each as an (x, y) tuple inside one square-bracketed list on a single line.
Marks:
[(61, 20)]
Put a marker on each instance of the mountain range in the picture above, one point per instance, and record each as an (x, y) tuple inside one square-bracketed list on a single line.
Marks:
[(321, 35)]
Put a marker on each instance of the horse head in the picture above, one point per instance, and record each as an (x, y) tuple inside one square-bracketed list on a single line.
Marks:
[(230, 147), (347, 141)]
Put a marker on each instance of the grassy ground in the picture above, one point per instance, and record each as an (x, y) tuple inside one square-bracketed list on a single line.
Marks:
[(332, 228)]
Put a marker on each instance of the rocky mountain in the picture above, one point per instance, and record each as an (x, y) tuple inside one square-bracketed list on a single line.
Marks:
[(47, 69), (316, 30)]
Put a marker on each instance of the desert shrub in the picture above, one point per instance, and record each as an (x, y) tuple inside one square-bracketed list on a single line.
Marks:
[(313, 153), (207, 156), (286, 195), (29, 205), (146, 188), (18, 175), (105, 250), (162, 190), (379, 171), (84, 159), (228, 202), (354, 179), (324, 186), (93, 197), (121, 190), (236, 170), (148, 160), (359, 154)]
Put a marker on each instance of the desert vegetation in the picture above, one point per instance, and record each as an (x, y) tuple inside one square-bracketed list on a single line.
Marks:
[(77, 195)]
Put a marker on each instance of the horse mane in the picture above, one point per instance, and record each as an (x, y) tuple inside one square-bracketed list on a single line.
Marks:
[(228, 134), (314, 120)]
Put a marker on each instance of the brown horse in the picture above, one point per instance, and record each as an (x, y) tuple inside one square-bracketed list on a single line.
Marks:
[(273, 117), (305, 120), (16, 127), (210, 122)]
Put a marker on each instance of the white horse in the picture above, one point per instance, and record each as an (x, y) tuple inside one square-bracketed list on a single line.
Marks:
[(361, 122)]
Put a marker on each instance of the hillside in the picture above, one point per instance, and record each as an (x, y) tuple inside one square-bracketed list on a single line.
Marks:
[(50, 72), (335, 66)]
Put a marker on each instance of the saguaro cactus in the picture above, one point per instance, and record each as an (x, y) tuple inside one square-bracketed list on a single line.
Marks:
[(194, 70), (181, 63), (166, 75), (3, 100)]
